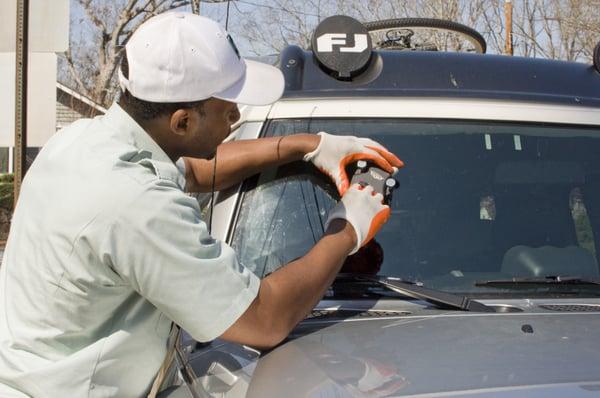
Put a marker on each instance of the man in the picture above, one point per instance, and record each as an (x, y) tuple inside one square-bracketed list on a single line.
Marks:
[(106, 250)]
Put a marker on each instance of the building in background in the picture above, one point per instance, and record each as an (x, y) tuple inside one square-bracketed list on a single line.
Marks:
[(70, 106)]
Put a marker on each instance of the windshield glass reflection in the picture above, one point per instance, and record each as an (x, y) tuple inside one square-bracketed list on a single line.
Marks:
[(477, 201)]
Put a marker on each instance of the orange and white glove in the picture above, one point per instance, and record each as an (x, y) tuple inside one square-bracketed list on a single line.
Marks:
[(364, 210), (335, 152)]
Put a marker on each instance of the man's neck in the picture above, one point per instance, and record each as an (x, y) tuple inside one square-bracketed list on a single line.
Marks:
[(157, 129)]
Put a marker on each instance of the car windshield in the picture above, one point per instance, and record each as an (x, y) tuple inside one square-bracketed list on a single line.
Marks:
[(477, 201)]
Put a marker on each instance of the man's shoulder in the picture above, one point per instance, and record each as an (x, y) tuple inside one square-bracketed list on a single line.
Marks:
[(93, 170), (101, 154), (97, 168)]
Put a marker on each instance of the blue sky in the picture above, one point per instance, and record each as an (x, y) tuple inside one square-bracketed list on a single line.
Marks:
[(80, 25)]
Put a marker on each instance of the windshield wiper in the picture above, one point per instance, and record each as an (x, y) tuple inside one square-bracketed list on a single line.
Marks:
[(416, 290), (550, 280)]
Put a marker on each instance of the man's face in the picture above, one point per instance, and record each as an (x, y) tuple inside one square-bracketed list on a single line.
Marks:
[(209, 127)]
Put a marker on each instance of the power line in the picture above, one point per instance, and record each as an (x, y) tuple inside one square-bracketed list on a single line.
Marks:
[(227, 16), (277, 8)]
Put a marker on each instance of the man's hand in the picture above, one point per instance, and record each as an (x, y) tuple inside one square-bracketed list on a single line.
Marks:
[(334, 153), (364, 210)]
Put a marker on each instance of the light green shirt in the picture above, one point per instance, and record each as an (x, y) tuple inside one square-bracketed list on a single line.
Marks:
[(104, 251)]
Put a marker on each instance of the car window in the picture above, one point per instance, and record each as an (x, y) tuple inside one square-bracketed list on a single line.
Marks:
[(283, 216), (477, 200)]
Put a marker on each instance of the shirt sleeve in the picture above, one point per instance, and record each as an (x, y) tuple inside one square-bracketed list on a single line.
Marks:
[(161, 247)]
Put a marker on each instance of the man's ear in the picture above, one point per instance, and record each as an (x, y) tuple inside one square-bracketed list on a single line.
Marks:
[(180, 121)]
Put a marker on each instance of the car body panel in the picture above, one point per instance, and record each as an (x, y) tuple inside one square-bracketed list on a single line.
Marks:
[(443, 74), (424, 352), (435, 108), (439, 353)]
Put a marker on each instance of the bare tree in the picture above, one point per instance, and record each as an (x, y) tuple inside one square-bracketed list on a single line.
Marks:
[(556, 29), (93, 57), (560, 29), (297, 20), (278, 23)]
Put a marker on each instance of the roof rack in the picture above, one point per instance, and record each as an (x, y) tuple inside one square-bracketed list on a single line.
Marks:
[(400, 33), (343, 63)]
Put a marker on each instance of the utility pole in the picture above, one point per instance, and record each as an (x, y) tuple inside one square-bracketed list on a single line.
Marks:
[(508, 10), (21, 65)]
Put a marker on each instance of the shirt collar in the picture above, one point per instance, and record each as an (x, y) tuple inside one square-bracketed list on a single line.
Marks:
[(148, 151), (133, 132)]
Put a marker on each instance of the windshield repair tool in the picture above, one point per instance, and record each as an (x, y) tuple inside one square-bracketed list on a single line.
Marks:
[(382, 182)]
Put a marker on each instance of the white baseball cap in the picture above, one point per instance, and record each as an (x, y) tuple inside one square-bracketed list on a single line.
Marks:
[(183, 57)]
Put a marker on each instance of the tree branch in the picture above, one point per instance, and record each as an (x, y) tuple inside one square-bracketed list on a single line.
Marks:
[(73, 72), (87, 7)]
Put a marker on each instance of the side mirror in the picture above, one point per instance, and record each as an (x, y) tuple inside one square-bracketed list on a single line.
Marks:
[(597, 57)]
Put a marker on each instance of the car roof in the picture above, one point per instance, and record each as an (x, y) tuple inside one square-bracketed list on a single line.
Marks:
[(445, 74)]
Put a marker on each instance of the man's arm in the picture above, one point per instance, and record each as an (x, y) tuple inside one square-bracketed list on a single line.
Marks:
[(287, 295), (330, 153), (237, 160)]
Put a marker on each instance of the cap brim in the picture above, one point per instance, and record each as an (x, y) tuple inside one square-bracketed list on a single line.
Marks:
[(262, 84)]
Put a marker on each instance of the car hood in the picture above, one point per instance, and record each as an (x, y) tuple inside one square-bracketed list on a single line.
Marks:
[(448, 354)]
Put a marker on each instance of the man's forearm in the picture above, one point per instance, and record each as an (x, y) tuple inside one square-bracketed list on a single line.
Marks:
[(288, 294), (238, 160), (303, 282)]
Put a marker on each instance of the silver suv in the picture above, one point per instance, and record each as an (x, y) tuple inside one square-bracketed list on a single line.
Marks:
[(485, 282)]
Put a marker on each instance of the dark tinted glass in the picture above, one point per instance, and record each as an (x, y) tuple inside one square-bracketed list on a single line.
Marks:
[(477, 201)]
